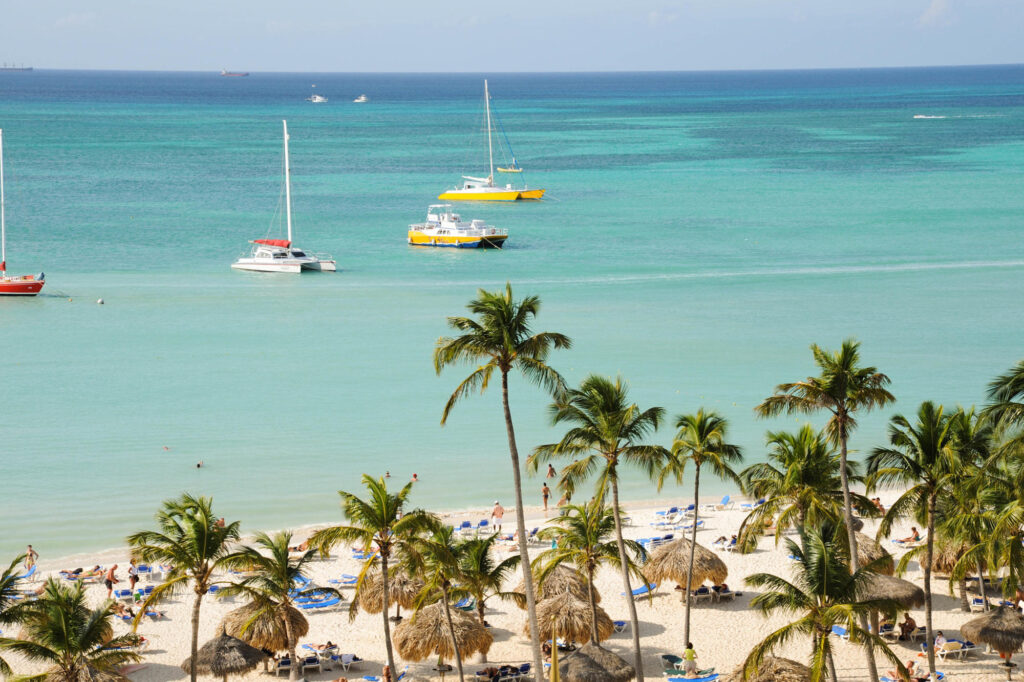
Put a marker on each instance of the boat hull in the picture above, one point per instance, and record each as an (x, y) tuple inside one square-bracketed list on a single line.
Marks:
[(457, 242), (499, 195), (20, 286)]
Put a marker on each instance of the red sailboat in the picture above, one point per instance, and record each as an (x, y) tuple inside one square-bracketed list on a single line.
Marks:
[(23, 285)]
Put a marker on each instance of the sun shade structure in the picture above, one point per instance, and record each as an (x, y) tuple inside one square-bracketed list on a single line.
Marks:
[(426, 635), (672, 561), (224, 655), (773, 669), (880, 586), (591, 663), (559, 580), (569, 617), (1002, 629), (868, 550), (402, 591), (267, 630)]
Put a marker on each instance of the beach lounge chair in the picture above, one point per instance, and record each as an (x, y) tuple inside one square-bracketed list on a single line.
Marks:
[(920, 632), (465, 604), (346, 580), (532, 536), (124, 595), (672, 661), (726, 503), (346, 661), (702, 593), (705, 678), (643, 589), (482, 525), (689, 509), (723, 593), (841, 632), (320, 605), (889, 631), (689, 524), (620, 625), (751, 506), (886, 678), (977, 604), (667, 512), (725, 545), (312, 663), (670, 521), (283, 666), (29, 575)]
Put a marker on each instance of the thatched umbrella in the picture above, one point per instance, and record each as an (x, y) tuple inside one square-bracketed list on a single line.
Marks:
[(426, 634), (1002, 629), (559, 580), (402, 592), (880, 586), (671, 562), (858, 525), (85, 674), (570, 617), (223, 656), (267, 630), (773, 669), (591, 663), (869, 550)]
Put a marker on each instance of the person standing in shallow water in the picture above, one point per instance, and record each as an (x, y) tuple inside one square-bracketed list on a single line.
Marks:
[(545, 493), (551, 472)]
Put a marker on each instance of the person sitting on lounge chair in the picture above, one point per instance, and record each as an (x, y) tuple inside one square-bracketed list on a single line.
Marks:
[(940, 640), (908, 626), (913, 537), (300, 548)]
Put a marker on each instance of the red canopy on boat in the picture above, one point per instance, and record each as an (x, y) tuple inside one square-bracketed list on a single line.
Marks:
[(283, 243)]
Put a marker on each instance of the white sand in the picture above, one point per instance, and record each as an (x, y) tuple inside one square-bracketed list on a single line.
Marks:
[(723, 633)]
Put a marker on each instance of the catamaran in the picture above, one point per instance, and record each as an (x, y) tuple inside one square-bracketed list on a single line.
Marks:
[(444, 227), (278, 255), (24, 285), (484, 189)]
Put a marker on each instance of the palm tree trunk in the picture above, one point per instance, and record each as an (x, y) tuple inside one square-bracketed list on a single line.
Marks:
[(384, 613), (293, 671), (693, 548), (524, 555), (451, 630), (929, 637), (634, 623), (831, 666), (480, 613), (593, 605), (195, 629), (851, 536), (981, 586), (965, 603)]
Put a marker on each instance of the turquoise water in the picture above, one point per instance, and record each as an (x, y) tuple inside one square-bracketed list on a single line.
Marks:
[(699, 232)]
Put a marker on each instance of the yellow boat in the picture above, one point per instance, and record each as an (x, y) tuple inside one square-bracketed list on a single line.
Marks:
[(484, 189), (444, 227)]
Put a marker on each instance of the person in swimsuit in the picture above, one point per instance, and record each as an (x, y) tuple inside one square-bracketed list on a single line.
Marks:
[(110, 580), (133, 574), (545, 493)]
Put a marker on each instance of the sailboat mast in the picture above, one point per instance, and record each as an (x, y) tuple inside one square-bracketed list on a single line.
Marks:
[(287, 182), (3, 225), (490, 146)]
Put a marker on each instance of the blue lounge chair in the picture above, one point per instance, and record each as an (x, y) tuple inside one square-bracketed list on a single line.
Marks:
[(702, 592), (751, 506), (29, 574), (620, 625), (643, 589), (689, 525), (124, 595), (706, 678), (483, 525), (726, 503), (345, 579), (319, 605), (841, 632), (668, 512)]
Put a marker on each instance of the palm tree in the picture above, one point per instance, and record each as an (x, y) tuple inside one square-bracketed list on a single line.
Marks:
[(606, 432), (192, 542), (436, 556), (377, 523), (583, 532), (483, 577), (700, 439), (823, 593), (922, 458), (271, 578), (61, 630), (501, 339), (1006, 396), (10, 596), (800, 484)]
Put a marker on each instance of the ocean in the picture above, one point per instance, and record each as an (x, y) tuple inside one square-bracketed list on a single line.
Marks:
[(699, 232)]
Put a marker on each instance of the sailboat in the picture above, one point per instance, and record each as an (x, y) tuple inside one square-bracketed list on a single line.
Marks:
[(484, 189), (278, 255), (24, 285)]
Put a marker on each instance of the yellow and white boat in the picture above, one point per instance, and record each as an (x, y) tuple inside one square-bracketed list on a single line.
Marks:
[(484, 189), (444, 227)]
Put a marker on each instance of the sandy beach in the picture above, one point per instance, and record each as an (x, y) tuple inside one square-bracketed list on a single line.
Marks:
[(723, 633)]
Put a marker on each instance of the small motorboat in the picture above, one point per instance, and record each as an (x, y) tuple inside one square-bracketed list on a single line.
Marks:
[(444, 227)]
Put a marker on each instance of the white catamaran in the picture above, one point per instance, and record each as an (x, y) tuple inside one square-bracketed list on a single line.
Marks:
[(278, 255)]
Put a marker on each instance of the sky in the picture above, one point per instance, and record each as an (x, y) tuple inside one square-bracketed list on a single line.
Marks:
[(517, 36)]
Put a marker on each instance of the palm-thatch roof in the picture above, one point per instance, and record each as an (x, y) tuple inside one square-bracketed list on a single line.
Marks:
[(880, 586), (85, 674), (1002, 627), (591, 663), (267, 631), (426, 635), (869, 550), (567, 616), (858, 525), (773, 669), (671, 562), (557, 581), (946, 554), (224, 655), (402, 591)]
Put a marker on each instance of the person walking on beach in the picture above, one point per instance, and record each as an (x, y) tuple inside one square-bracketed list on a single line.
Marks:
[(110, 580), (545, 492), (496, 515), (31, 556), (133, 575)]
